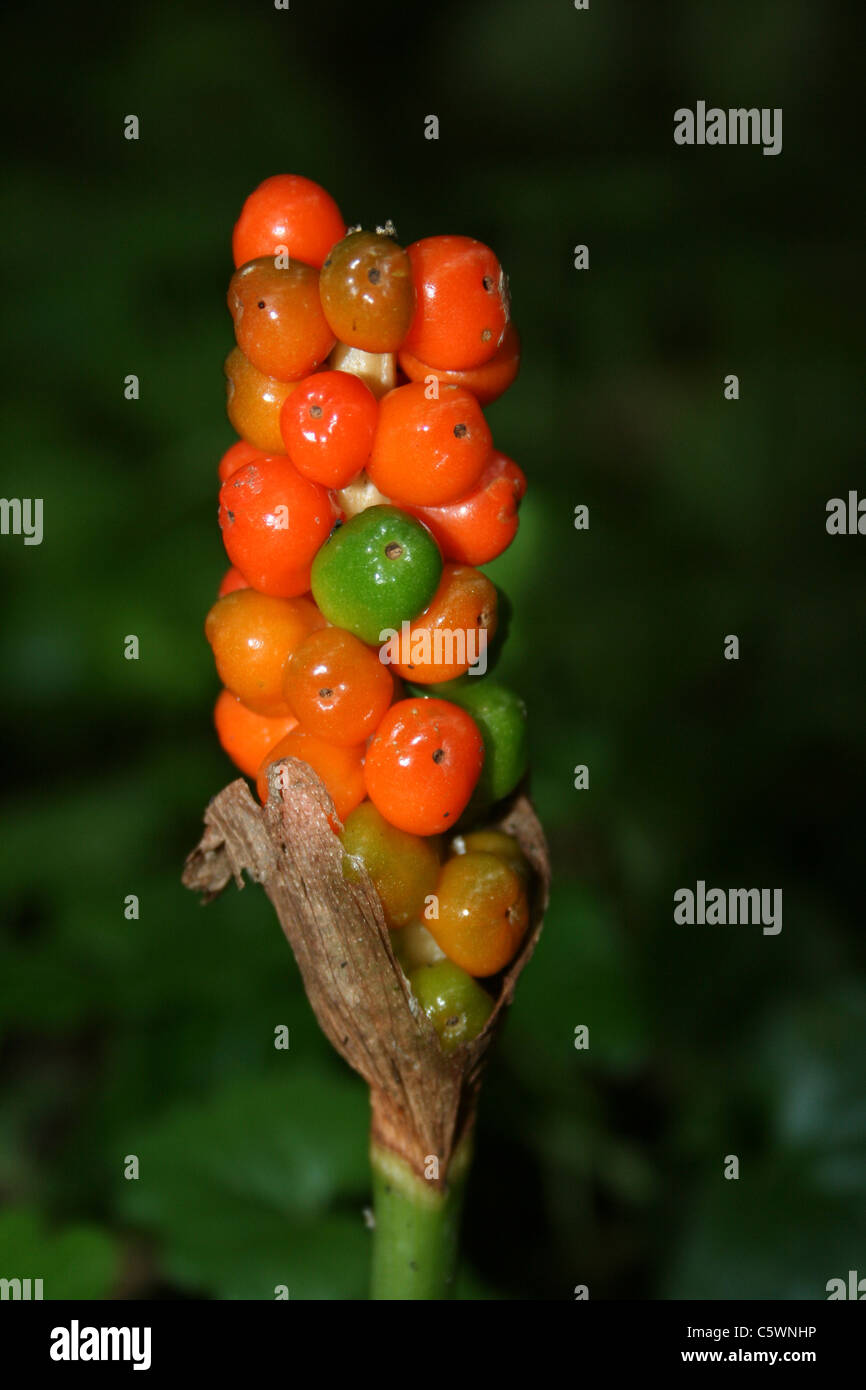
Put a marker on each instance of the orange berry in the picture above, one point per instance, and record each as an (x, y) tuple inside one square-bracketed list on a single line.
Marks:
[(341, 769), (337, 687), (422, 765), (235, 457), (254, 402), (367, 293), (245, 735), (452, 632), (428, 452), (288, 211), (487, 382), (279, 324), (273, 522), (497, 842), (253, 636), (483, 912), (461, 298)]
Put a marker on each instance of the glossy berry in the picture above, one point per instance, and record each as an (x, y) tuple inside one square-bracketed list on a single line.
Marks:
[(494, 841), (414, 946), (288, 211), (254, 402), (231, 580), (327, 426), (461, 308), (337, 687), (453, 631), (279, 324), (252, 636), (479, 526), (404, 869), (500, 715), (422, 765), (341, 769), (246, 736), (367, 292), (429, 452), (235, 457), (376, 571), (483, 912), (487, 382), (273, 522), (456, 1005)]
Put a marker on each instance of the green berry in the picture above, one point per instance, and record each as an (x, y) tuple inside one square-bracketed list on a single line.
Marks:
[(456, 1005), (501, 718), (375, 572), (403, 868)]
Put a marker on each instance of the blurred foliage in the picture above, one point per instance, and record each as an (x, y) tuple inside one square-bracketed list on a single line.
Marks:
[(154, 1037)]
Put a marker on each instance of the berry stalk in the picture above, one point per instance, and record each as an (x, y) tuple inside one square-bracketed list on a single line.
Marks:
[(417, 1227)]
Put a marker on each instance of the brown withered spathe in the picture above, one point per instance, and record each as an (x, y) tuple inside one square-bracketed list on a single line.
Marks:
[(423, 1102)]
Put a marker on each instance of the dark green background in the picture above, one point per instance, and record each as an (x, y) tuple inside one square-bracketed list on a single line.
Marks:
[(155, 1037)]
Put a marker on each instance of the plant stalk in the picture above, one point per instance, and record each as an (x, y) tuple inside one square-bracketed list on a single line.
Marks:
[(417, 1225)]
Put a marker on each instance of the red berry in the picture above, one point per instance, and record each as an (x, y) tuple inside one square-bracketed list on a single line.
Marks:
[(235, 457), (487, 382), (428, 452), (461, 300), (422, 765), (279, 324), (337, 687), (231, 580), (273, 521), (327, 426), (288, 211), (478, 527), (341, 769)]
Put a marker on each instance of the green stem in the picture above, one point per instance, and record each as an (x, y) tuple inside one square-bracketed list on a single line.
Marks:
[(416, 1232)]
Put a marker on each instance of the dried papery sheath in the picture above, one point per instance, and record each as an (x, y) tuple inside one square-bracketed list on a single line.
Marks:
[(423, 1102)]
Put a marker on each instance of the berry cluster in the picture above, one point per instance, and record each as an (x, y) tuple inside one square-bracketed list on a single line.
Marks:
[(362, 495)]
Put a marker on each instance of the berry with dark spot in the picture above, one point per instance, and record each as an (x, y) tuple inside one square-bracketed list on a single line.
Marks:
[(366, 290)]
